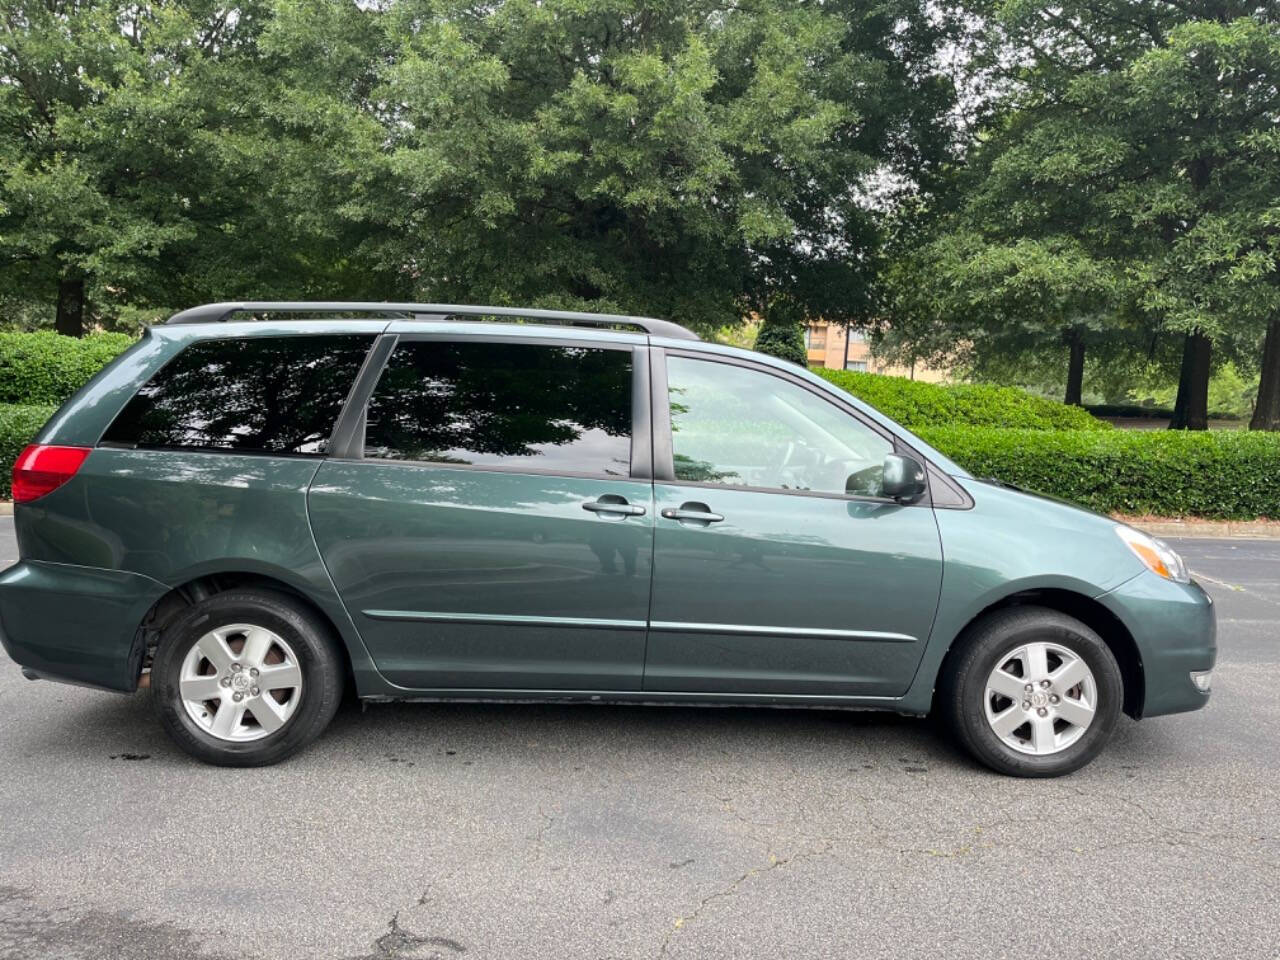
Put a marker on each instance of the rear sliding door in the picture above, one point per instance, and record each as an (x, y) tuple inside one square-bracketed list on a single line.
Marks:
[(491, 536)]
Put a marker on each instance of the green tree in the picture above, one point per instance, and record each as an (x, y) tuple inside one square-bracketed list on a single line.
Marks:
[(149, 158), (782, 331), (1123, 186), (94, 108), (978, 298), (686, 159)]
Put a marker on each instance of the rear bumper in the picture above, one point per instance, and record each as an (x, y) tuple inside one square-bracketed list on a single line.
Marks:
[(1175, 628), (76, 624)]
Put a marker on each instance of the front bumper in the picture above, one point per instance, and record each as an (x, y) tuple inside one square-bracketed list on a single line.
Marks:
[(1175, 628), (76, 624)]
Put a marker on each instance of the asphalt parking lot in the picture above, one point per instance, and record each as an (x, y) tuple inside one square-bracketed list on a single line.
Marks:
[(547, 831)]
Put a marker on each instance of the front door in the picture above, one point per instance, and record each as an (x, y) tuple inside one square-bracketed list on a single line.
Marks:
[(778, 567), (491, 536)]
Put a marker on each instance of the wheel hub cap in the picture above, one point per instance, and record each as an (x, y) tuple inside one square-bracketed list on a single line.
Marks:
[(240, 682), (1040, 698)]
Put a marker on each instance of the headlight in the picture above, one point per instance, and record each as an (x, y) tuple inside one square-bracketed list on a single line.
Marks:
[(1157, 555)]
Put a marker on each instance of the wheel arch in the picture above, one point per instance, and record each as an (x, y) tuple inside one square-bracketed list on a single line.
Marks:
[(190, 592), (1089, 612)]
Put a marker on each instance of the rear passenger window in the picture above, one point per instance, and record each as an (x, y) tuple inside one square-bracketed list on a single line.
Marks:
[(515, 405), (255, 395)]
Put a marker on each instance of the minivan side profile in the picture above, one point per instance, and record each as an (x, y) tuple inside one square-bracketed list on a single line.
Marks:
[(434, 502)]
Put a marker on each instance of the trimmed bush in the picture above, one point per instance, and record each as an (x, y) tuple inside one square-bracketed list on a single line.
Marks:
[(1226, 475), (46, 367), (18, 424), (915, 404)]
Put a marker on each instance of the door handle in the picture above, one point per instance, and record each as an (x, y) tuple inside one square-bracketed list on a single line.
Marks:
[(704, 515), (617, 507)]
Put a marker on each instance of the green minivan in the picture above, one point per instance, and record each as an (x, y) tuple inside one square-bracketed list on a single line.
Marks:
[(263, 505)]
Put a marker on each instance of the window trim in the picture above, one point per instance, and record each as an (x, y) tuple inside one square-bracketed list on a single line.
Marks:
[(352, 421), (210, 451), (663, 458), (347, 442), (372, 340)]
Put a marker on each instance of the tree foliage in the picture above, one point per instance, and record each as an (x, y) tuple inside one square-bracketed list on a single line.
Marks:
[(682, 158), (687, 159), (782, 330), (784, 341), (1103, 188), (1124, 185)]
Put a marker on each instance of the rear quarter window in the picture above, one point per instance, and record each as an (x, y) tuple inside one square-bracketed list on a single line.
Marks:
[(273, 395)]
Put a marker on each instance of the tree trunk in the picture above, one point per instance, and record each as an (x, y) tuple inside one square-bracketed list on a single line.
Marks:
[(1266, 412), (1075, 369), (1191, 409), (70, 319)]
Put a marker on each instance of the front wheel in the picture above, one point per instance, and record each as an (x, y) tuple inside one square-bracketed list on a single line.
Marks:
[(246, 678), (1032, 692)]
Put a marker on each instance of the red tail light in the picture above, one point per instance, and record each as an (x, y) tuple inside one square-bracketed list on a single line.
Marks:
[(42, 468)]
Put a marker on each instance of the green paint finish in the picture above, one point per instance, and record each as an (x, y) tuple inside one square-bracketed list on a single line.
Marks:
[(815, 564), (1175, 629), (506, 556), (470, 582), (1009, 543), (76, 624), (175, 516)]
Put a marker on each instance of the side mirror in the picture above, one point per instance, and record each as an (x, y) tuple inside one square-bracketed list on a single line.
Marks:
[(903, 479)]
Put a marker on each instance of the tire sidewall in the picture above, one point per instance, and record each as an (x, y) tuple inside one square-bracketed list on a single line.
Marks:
[(994, 648), (321, 678)]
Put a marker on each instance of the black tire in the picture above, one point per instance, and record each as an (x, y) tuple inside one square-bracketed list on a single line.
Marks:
[(319, 659), (989, 642)]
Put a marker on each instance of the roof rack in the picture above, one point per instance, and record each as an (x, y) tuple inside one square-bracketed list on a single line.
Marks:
[(215, 312)]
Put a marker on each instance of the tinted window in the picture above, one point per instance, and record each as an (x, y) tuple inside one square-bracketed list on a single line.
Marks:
[(566, 409), (258, 394), (741, 427)]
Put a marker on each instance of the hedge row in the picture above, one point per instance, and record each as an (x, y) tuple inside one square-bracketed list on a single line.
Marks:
[(914, 403), (1219, 474), (46, 367), (18, 424)]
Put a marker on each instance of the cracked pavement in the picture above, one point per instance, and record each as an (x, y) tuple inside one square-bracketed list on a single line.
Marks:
[(465, 830)]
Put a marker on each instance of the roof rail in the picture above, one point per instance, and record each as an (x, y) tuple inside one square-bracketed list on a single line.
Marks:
[(215, 312)]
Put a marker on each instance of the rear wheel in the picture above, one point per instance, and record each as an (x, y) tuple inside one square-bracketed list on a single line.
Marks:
[(1032, 692), (245, 678)]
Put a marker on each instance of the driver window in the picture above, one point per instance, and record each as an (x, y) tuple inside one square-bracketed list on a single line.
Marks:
[(740, 427)]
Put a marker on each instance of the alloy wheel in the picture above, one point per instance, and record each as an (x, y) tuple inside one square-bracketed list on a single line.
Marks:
[(240, 682), (1040, 698)]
